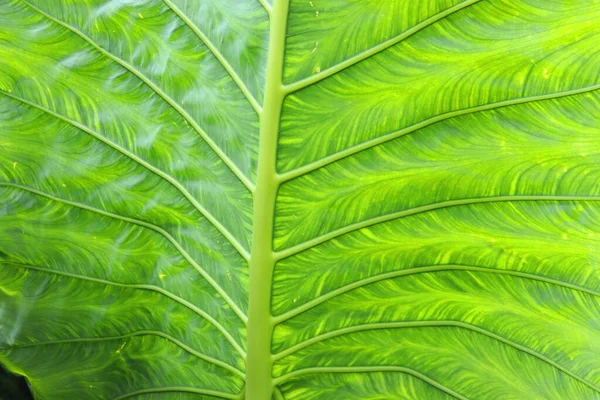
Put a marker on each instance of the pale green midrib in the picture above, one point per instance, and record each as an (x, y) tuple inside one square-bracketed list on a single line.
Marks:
[(311, 80), (259, 381), (442, 323), (220, 57), (421, 270), (352, 150), (147, 225), (161, 174), (150, 288), (163, 335), (182, 389), (226, 160), (350, 370), (290, 251)]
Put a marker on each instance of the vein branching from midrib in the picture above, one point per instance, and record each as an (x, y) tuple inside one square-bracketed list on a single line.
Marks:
[(156, 333), (238, 246), (424, 270), (147, 225), (290, 251), (311, 80), (161, 174), (249, 185), (226, 160), (151, 288), (420, 270), (369, 369), (220, 57), (266, 6), (409, 324), (360, 147), (180, 389), (425, 324)]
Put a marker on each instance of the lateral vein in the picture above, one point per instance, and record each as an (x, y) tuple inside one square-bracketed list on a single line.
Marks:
[(152, 288), (170, 179), (420, 324), (278, 393), (290, 251), (353, 370), (163, 335), (421, 270), (266, 6), (310, 167), (183, 389), (147, 225), (311, 80), (230, 164), (215, 51)]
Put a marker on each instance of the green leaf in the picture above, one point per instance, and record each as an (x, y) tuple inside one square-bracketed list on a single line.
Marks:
[(293, 199)]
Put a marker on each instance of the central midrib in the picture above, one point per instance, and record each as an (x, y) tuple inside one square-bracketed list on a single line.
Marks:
[(259, 381)]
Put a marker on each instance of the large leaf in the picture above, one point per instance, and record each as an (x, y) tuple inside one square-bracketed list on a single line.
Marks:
[(327, 199)]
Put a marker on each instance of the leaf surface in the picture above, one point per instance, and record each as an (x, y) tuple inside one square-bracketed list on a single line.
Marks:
[(300, 199)]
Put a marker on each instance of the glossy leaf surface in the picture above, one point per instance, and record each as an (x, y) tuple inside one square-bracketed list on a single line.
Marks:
[(327, 199)]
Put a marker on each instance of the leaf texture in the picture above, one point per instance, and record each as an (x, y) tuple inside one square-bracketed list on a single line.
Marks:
[(290, 199)]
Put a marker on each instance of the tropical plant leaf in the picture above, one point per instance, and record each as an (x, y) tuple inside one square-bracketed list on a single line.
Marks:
[(327, 199)]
